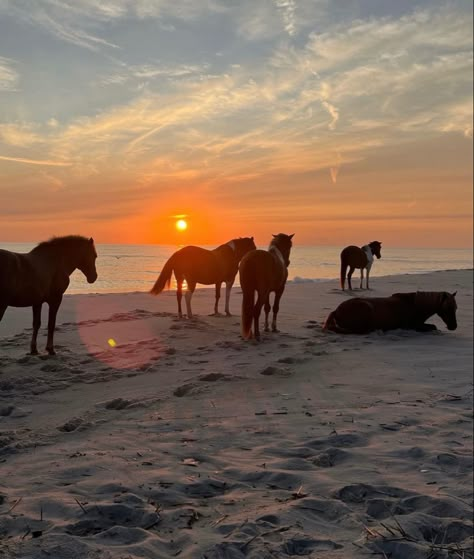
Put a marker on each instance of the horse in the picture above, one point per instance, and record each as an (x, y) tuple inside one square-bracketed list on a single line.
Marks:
[(198, 265), (363, 258), (408, 311), (42, 276), (263, 271)]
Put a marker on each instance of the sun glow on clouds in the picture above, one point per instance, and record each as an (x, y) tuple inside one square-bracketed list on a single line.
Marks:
[(308, 92)]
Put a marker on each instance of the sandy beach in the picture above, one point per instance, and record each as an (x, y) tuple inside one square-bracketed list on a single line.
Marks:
[(153, 437)]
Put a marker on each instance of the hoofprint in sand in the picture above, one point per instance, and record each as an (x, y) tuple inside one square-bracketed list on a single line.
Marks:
[(153, 437)]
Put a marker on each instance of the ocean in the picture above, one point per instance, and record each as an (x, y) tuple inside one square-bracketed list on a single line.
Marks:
[(129, 268)]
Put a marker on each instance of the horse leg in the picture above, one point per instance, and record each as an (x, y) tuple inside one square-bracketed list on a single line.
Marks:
[(188, 296), (361, 277), (267, 312), (36, 327), (218, 296), (3, 308), (349, 276), (276, 308), (256, 314), (53, 311), (228, 287), (179, 295), (369, 266)]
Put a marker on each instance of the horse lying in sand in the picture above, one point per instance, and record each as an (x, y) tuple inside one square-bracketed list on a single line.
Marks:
[(263, 271), (42, 276), (409, 311), (353, 257), (198, 265)]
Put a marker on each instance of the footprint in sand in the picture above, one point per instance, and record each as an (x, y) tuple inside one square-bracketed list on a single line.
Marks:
[(275, 371)]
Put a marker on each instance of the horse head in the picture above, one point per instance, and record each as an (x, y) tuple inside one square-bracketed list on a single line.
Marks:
[(376, 247), (447, 309), (243, 245), (283, 243), (87, 258)]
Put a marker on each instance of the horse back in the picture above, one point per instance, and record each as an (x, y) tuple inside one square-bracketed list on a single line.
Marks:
[(20, 285), (365, 314), (354, 257), (200, 265)]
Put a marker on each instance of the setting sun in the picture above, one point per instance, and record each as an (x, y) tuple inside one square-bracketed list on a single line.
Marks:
[(181, 225)]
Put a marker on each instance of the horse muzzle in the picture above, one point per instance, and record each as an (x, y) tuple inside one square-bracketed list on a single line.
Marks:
[(452, 326), (91, 278)]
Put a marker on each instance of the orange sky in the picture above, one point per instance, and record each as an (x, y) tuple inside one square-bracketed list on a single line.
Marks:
[(340, 128)]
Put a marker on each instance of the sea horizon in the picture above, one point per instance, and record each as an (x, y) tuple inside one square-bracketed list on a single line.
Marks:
[(125, 268)]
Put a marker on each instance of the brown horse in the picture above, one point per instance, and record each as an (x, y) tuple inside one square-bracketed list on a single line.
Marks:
[(402, 310), (42, 276), (353, 257), (263, 271), (198, 265)]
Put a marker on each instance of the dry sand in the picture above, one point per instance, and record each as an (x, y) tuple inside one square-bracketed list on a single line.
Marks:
[(185, 441)]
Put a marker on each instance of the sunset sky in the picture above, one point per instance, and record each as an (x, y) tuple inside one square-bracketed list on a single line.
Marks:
[(342, 121)]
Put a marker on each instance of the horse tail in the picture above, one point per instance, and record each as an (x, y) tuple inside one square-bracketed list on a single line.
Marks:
[(343, 272), (164, 279), (248, 299)]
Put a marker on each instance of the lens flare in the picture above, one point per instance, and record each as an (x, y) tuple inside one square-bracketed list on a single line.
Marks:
[(111, 342)]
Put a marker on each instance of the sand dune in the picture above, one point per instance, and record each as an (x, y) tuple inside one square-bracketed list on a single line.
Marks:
[(153, 437)]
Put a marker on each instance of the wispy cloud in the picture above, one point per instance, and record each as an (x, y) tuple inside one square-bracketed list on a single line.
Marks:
[(8, 75), (35, 161)]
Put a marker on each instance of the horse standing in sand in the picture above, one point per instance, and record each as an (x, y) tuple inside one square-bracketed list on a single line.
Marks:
[(198, 265), (263, 271), (353, 257), (409, 311), (42, 276)]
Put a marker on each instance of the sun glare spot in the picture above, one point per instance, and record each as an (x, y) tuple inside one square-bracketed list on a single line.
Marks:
[(181, 225), (111, 342)]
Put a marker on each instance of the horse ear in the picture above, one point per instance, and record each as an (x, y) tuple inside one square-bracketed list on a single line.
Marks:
[(291, 236), (274, 236), (91, 240), (454, 294), (251, 238)]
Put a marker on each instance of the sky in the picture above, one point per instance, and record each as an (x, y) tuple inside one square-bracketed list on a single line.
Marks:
[(341, 121)]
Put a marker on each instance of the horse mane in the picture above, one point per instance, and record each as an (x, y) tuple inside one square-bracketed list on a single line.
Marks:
[(58, 242)]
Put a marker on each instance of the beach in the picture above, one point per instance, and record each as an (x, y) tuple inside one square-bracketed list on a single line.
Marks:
[(147, 436)]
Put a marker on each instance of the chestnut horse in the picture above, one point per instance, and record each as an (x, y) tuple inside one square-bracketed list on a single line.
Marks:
[(198, 265), (263, 271), (353, 257), (402, 310), (42, 276)]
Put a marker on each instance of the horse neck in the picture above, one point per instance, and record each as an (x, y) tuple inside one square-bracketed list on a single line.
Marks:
[(368, 251), (427, 303), (63, 257), (278, 254)]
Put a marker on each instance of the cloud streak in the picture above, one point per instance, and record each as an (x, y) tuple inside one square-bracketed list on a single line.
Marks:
[(35, 161)]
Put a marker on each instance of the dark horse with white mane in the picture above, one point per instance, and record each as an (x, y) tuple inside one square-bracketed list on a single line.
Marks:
[(42, 276), (353, 257), (402, 310), (263, 271), (198, 265)]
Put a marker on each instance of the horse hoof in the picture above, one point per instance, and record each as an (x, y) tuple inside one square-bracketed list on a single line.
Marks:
[(34, 352), (51, 351), (275, 330), (227, 313)]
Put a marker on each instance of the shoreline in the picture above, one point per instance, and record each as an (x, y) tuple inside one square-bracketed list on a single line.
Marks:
[(184, 440), (295, 280)]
